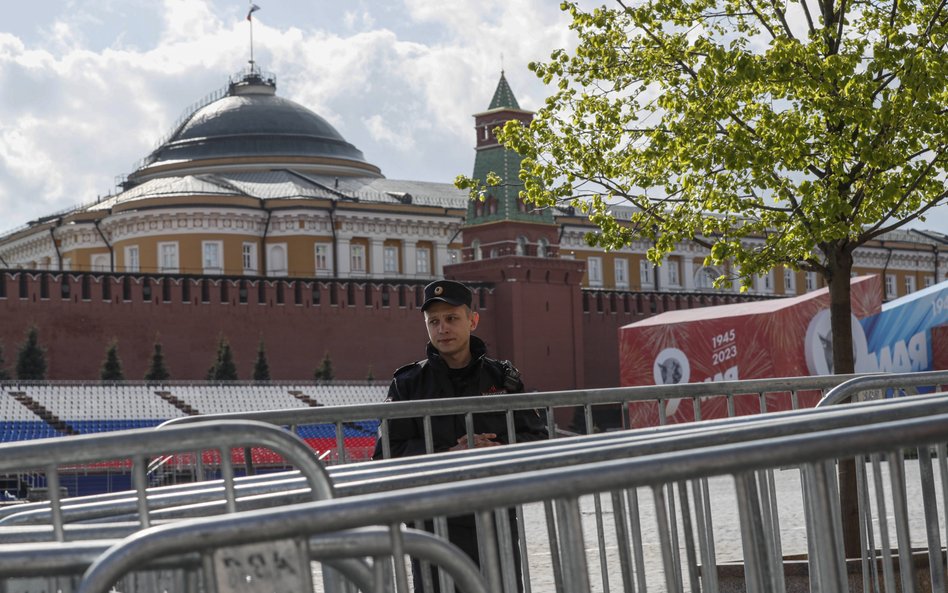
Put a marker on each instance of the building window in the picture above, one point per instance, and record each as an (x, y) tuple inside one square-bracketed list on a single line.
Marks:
[(674, 273), (131, 259), (765, 282), (926, 281), (454, 256), (622, 273), (521, 248), (322, 258), (645, 273), (594, 270), (909, 284), (705, 277), (100, 263), (212, 259), (789, 281), (168, 258), (67, 265), (423, 261), (890, 286), (810, 281), (390, 259), (543, 247), (249, 257), (475, 249), (276, 260), (357, 258)]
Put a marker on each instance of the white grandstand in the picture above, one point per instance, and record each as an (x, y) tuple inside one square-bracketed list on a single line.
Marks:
[(36, 410)]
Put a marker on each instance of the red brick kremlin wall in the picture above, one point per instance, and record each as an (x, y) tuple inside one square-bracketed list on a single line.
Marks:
[(560, 336)]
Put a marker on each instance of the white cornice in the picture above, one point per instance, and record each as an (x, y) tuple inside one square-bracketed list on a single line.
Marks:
[(190, 221)]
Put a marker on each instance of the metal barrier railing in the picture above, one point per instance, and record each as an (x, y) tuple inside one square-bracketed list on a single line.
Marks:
[(683, 479), (401, 473), (135, 447), (532, 456), (767, 391), (906, 382), (288, 488)]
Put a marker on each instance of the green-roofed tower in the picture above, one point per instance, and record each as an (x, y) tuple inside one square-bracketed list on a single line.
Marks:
[(502, 224)]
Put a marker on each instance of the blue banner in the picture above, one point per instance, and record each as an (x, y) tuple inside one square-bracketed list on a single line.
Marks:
[(899, 339)]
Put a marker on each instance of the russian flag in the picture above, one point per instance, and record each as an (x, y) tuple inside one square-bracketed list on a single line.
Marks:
[(253, 8)]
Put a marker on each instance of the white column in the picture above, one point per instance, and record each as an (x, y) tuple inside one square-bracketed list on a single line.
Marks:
[(662, 272), (377, 257), (409, 258), (441, 259), (342, 257), (688, 269)]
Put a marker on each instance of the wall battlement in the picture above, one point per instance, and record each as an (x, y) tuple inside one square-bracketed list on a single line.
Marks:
[(368, 326)]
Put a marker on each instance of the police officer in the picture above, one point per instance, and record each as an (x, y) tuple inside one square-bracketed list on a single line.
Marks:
[(456, 365)]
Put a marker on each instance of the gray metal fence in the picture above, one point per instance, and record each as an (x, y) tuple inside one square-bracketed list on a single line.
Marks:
[(48, 554), (585, 405), (664, 516), (689, 519)]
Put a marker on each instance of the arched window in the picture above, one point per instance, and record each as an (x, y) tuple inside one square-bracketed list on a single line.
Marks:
[(476, 249), (543, 247), (100, 263), (521, 245), (276, 263), (705, 277)]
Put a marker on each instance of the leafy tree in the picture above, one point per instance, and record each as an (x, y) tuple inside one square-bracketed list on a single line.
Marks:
[(261, 368), (223, 368), (112, 366), (770, 133), (4, 375), (157, 371), (31, 358), (324, 371), (773, 134)]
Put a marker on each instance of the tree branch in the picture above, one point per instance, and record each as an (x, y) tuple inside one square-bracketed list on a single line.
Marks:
[(932, 21), (841, 21), (783, 20), (809, 17), (875, 229), (869, 235), (753, 9)]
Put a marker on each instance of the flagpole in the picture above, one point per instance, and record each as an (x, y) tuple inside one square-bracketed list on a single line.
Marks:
[(250, 18)]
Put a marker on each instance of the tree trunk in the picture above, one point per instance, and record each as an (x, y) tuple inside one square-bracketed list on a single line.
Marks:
[(840, 264)]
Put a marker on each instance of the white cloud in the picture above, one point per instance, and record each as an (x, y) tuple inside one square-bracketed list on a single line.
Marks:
[(89, 91), (400, 139), (188, 20)]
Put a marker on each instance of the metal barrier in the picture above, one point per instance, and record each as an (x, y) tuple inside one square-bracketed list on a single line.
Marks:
[(135, 447), (287, 488), (402, 473), (767, 391), (847, 390), (692, 479)]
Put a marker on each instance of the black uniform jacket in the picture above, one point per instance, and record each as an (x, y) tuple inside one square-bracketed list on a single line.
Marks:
[(432, 379)]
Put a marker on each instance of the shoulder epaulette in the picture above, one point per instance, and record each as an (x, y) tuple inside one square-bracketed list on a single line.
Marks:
[(408, 367)]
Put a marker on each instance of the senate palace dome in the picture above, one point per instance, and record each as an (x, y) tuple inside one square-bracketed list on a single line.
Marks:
[(252, 128)]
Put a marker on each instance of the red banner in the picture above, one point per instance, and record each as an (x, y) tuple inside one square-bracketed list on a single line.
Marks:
[(775, 338)]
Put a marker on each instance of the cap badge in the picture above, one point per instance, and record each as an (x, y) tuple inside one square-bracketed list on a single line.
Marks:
[(438, 290)]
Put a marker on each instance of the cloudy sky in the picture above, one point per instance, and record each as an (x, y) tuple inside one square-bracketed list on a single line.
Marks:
[(90, 86)]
